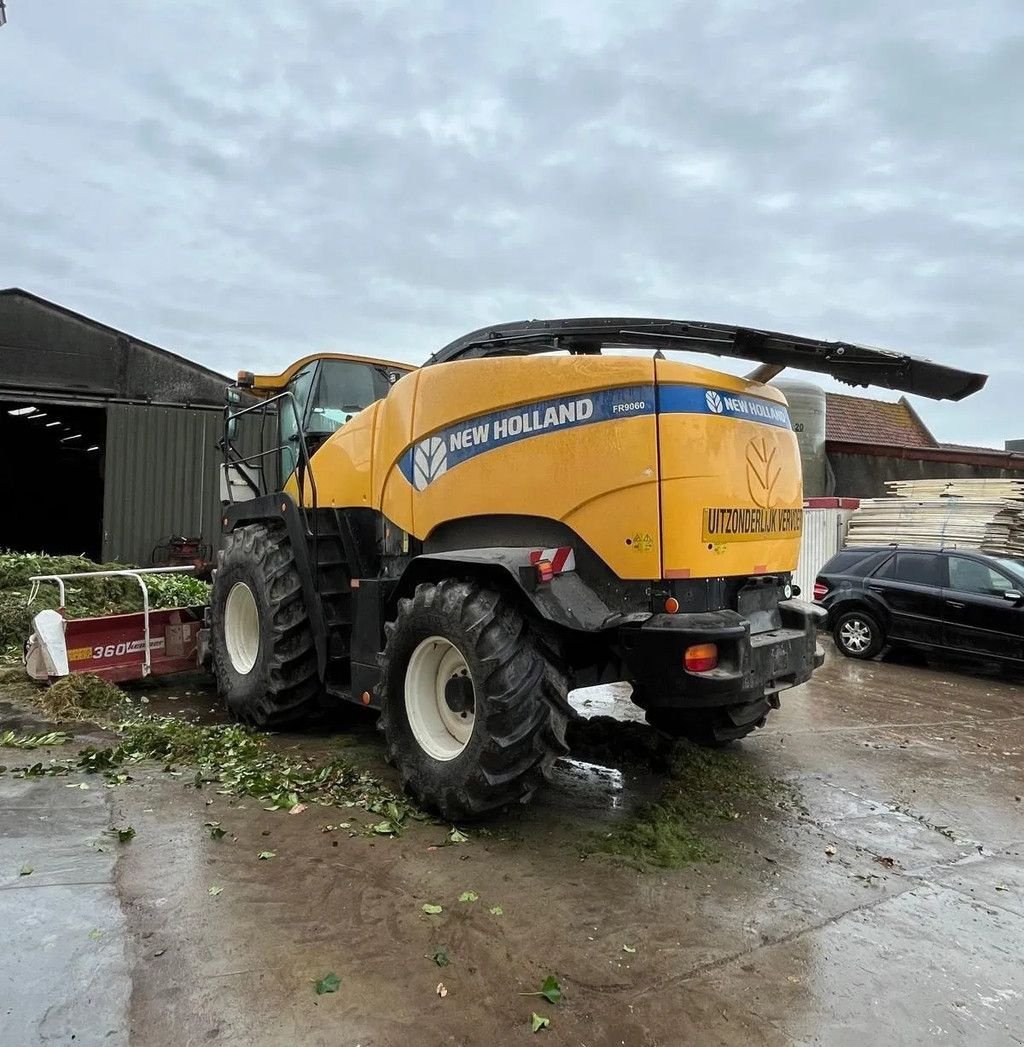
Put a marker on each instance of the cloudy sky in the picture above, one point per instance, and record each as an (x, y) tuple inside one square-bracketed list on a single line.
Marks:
[(245, 181)]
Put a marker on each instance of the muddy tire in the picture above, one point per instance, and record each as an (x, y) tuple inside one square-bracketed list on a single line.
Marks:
[(264, 657), (858, 635), (473, 703)]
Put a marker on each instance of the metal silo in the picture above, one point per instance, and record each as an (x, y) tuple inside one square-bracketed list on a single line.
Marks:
[(807, 410)]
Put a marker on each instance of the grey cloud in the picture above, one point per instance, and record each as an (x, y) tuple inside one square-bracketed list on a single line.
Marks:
[(244, 183)]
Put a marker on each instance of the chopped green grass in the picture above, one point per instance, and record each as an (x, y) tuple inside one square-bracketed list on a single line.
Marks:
[(703, 787), (80, 696)]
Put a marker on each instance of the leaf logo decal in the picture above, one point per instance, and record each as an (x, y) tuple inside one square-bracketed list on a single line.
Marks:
[(714, 401), (762, 472), (429, 461)]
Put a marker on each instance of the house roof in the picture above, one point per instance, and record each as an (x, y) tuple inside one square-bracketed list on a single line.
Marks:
[(857, 419)]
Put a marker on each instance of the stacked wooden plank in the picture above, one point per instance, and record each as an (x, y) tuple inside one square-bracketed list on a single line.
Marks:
[(968, 514)]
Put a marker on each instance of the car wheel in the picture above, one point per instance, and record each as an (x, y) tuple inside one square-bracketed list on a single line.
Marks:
[(858, 635)]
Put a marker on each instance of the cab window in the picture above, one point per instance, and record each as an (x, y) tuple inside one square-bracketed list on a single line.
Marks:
[(973, 576)]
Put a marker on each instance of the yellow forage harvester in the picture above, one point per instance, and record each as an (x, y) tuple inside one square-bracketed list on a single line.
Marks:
[(459, 545)]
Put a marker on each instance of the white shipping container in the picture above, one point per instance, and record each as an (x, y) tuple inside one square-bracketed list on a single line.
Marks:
[(823, 536)]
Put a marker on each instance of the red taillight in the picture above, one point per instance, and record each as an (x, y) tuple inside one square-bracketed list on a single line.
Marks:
[(545, 570), (701, 657), (672, 605), (820, 590)]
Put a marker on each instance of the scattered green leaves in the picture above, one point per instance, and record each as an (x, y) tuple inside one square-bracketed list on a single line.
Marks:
[(440, 956), (265, 856), (215, 830), (538, 1022), (468, 896), (328, 983), (432, 910), (215, 891), (26, 870), (455, 836), (10, 740), (125, 835), (550, 990), (95, 934), (496, 910), (629, 948)]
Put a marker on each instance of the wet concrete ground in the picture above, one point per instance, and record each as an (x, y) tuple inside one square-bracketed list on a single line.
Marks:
[(891, 910)]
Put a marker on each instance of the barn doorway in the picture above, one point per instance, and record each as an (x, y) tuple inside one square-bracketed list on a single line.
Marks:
[(53, 461)]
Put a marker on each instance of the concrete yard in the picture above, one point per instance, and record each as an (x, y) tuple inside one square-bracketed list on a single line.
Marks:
[(886, 905)]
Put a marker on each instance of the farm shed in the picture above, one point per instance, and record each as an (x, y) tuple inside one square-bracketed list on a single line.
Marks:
[(110, 443)]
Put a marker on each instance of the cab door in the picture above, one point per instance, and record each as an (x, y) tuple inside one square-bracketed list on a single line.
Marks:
[(979, 618)]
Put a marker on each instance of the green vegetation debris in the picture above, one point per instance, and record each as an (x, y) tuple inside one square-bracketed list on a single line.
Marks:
[(215, 830), (95, 934), (265, 856), (431, 909), (215, 891), (468, 896), (538, 1022), (125, 835), (328, 983), (241, 762), (26, 870), (628, 948), (10, 740), (80, 697), (496, 910), (702, 786), (457, 837), (550, 990), (440, 956)]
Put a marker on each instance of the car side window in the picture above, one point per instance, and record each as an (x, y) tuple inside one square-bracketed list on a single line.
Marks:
[(918, 569), (973, 576), (887, 570)]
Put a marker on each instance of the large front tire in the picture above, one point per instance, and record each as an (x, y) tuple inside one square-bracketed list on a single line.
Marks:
[(264, 657), (473, 703)]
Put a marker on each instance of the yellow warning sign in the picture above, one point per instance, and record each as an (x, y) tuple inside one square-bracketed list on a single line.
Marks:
[(728, 524)]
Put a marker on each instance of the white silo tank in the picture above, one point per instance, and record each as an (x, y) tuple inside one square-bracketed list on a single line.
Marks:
[(807, 411)]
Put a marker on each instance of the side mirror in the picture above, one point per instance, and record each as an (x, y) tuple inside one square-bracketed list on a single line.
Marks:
[(1013, 595), (231, 427)]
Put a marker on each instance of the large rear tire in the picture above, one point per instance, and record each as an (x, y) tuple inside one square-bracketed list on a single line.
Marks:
[(264, 657), (474, 704)]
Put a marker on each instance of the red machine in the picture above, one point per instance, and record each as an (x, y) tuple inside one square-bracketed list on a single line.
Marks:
[(115, 647)]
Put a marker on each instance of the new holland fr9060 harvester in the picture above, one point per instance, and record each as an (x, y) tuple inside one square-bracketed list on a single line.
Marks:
[(461, 544)]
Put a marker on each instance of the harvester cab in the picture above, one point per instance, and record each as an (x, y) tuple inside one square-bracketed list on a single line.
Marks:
[(459, 545)]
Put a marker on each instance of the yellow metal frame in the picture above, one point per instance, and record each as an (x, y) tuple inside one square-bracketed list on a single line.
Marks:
[(267, 384)]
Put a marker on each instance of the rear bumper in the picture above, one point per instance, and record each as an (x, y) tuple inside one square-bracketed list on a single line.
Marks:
[(750, 667)]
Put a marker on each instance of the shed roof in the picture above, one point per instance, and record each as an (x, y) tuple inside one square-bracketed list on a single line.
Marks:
[(49, 349), (859, 419)]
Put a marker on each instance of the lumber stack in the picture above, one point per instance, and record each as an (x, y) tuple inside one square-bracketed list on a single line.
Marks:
[(967, 514)]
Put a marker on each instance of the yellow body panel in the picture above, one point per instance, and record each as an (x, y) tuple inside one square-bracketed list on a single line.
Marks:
[(576, 439), (731, 489)]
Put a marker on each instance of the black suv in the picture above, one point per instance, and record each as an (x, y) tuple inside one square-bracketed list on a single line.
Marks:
[(962, 601)]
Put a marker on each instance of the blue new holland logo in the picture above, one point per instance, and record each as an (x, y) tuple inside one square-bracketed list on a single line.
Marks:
[(443, 450)]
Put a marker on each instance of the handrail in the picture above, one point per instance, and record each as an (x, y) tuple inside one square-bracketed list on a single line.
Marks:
[(60, 579)]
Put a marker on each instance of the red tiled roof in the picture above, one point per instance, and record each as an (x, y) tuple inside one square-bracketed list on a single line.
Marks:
[(856, 419)]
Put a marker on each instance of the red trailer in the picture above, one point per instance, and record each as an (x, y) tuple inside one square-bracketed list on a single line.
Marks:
[(115, 647)]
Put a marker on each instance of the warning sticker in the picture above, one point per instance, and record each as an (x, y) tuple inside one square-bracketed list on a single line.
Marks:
[(747, 525), (79, 654)]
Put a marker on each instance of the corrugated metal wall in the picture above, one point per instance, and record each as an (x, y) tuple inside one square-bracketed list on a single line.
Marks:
[(823, 536), (162, 478)]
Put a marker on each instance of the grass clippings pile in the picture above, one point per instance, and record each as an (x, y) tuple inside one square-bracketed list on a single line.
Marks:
[(85, 598), (703, 786), (80, 696)]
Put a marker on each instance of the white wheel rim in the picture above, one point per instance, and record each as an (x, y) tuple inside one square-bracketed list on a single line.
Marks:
[(439, 730), (855, 635), (242, 628)]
